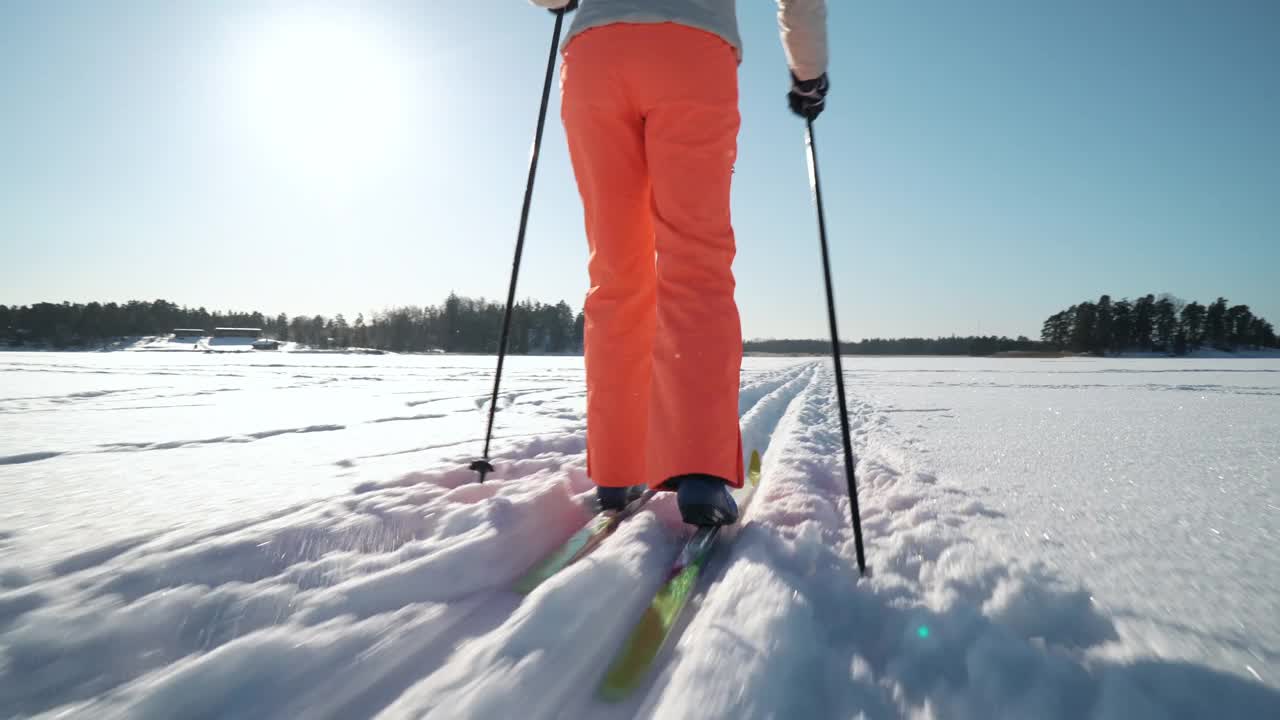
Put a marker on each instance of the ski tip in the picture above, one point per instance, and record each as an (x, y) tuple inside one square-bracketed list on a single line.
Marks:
[(632, 665), (753, 470), (527, 584)]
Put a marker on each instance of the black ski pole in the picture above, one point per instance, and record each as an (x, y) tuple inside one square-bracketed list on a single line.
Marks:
[(483, 466), (816, 184)]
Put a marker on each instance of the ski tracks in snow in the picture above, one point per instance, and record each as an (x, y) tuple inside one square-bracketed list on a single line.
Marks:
[(784, 627), (394, 601), (550, 653), (940, 628)]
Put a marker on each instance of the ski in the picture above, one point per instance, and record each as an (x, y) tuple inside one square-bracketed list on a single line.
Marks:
[(651, 633), (581, 544)]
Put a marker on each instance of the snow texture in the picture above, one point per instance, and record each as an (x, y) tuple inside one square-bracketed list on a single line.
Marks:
[(267, 535)]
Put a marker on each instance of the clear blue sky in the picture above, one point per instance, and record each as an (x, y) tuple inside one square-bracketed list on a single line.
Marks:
[(985, 163)]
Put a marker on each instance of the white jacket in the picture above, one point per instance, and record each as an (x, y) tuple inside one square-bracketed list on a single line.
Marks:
[(803, 23)]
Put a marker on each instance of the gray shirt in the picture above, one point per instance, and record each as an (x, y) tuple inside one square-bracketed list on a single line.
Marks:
[(803, 23)]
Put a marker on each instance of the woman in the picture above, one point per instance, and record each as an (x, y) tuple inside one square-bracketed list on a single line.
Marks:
[(650, 106)]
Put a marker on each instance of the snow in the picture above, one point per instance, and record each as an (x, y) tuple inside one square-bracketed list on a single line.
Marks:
[(296, 535), (191, 343), (168, 343), (1210, 354)]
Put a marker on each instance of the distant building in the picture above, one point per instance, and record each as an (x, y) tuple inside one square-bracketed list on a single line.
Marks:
[(231, 332), (189, 332)]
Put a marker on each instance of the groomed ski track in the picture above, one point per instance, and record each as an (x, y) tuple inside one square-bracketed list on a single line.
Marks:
[(395, 601)]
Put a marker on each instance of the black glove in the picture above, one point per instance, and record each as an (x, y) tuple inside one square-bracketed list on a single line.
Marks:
[(573, 5), (808, 97)]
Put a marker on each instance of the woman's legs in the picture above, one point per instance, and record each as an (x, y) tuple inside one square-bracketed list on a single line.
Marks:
[(606, 146), (652, 118)]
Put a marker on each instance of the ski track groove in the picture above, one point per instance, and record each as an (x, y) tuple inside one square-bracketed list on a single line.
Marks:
[(498, 676), (713, 679), (782, 406)]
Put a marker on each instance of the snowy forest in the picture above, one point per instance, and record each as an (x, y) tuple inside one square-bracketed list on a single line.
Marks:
[(1148, 324), (458, 325), (955, 345), (1156, 324)]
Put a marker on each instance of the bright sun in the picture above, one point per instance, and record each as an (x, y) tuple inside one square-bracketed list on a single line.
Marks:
[(323, 94)]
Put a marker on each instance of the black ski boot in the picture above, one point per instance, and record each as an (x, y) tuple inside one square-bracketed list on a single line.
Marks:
[(704, 499), (617, 498)]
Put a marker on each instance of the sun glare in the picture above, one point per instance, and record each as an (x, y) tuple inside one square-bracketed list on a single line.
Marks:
[(323, 95)]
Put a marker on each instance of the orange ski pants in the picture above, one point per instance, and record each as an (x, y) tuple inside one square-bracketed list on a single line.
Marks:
[(651, 113)]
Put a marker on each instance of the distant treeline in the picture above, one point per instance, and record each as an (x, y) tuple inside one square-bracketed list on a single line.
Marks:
[(458, 325), (974, 345), (1163, 324)]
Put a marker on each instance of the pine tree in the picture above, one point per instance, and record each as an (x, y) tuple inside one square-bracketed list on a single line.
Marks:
[(1083, 326), (1122, 326), (1239, 322), (1048, 331), (8, 328), (1166, 323), (298, 329), (360, 333), (1215, 324), (1262, 334), (452, 328), (1193, 325), (1102, 327), (1144, 317), (341, 331)]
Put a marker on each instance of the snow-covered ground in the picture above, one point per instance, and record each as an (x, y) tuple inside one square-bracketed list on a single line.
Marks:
[(290, 535), (189, 343)]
